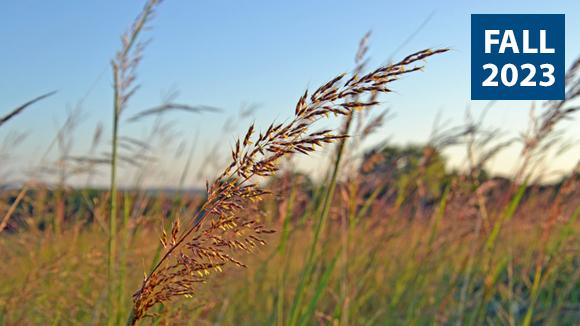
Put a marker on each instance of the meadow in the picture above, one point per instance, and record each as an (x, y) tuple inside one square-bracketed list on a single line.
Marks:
[(389, 236)]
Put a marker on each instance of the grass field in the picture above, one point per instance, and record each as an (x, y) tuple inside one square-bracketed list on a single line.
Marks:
[(391, 236)]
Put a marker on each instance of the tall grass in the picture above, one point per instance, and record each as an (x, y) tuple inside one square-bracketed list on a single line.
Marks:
[(192, 253), (124, 67), (390, 236)]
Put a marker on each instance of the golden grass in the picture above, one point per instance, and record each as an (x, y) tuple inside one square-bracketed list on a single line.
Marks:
[(380, 244)]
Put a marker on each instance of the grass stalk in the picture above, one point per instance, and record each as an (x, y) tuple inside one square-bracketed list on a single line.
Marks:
[(112, 247), (321, 220)]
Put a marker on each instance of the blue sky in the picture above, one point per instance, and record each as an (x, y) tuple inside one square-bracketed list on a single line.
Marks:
[(227, 53)]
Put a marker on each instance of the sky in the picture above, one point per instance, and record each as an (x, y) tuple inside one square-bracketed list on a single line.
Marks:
[(235, 54)]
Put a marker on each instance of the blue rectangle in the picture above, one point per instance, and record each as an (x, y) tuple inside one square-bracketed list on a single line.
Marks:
[(514, 34)]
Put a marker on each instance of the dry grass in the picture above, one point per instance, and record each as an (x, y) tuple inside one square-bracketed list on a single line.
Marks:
[(390, 236), (200, 249)]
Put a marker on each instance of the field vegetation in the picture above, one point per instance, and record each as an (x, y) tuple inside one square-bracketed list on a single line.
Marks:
[(389, 235)]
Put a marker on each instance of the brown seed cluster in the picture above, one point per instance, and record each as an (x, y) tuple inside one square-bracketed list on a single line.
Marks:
[(209, 250), (220, 228)]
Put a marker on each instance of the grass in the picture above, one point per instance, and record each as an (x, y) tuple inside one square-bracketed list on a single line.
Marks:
[(395, 278), (392, 238), (124, 67)]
